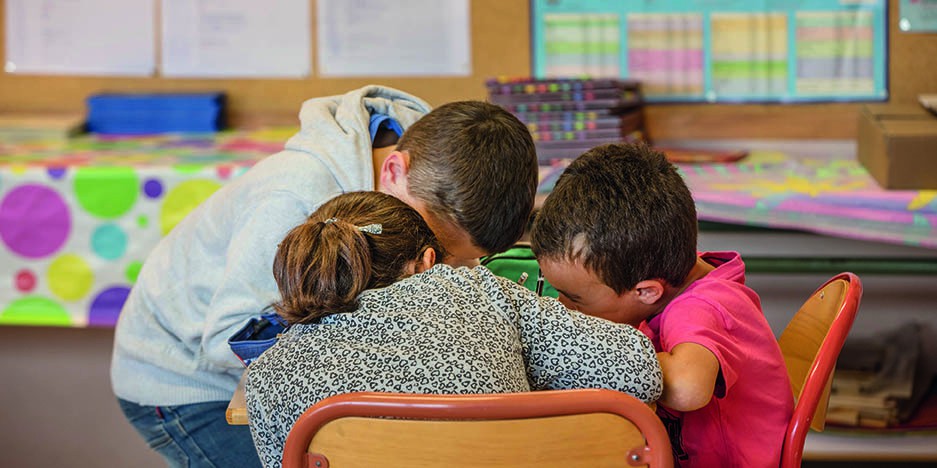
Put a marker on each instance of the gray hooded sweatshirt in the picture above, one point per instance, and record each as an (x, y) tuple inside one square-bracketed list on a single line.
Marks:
[(213, 271)]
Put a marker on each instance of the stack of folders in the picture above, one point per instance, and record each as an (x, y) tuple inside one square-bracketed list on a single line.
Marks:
[(567, 117), (852, 404), (155, 113), (25, 127), (883, 380)]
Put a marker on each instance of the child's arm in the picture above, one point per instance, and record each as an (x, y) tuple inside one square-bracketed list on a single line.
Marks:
[(690, 371), (566, 349)]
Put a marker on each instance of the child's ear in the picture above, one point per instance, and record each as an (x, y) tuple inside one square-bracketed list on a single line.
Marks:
[(649, 291), (427, 260), (394, 172)]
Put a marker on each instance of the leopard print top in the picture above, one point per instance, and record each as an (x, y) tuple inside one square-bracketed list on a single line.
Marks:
[(443, 331)]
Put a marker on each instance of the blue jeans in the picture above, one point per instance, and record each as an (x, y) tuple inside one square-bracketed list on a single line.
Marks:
[(194, 435)]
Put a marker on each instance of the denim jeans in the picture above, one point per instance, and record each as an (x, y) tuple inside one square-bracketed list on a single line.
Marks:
[(194, 435)]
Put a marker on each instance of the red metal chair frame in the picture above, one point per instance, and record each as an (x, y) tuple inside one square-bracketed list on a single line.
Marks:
[(818, 377)]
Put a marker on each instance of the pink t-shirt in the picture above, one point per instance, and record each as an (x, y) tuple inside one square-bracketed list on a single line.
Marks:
[(744, 424)]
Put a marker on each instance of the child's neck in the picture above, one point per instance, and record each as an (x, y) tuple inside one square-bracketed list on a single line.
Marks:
[(699, 270)]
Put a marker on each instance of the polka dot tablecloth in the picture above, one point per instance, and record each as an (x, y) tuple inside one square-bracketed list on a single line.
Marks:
[(828, 194), (78, 219)]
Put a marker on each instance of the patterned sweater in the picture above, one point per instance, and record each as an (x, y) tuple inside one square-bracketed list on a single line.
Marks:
[(443, 331)]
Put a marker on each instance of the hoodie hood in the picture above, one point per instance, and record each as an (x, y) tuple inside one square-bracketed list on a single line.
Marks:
[(335, 129)]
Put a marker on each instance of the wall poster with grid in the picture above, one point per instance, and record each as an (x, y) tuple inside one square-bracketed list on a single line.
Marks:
[(719, 50)]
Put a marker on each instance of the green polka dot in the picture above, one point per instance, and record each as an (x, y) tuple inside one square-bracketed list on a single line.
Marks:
[(69, 277), (143, 221), (133, 270), (182, 199), (35, 310), (188, 168), (106, 192)]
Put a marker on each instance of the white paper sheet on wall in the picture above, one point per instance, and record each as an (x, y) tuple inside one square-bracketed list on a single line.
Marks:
[(80, 37), (393, 37), (236, 38)]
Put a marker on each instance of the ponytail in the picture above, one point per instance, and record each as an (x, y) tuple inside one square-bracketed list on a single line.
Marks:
[(353, 242), (321, 268)]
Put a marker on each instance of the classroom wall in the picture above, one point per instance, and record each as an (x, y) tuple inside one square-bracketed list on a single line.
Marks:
[(501, 46)]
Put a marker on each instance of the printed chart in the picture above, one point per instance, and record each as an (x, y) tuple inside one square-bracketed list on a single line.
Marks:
[(731, 50)]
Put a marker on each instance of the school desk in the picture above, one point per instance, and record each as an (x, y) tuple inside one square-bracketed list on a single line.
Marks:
[(78, 219), (236, 414), (811, 187)]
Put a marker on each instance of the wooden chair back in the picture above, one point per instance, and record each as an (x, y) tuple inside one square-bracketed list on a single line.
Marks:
[(568, 428)]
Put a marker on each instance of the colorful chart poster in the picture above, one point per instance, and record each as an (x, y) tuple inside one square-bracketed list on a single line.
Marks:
[(718, 51), (582, 44), (665, 52)]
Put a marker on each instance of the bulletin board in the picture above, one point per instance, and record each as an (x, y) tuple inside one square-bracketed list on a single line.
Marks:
[(257, 101), (501, 46), (726, 51)]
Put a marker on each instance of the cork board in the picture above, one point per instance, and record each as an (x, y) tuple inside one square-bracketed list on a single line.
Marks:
[(500, 46)]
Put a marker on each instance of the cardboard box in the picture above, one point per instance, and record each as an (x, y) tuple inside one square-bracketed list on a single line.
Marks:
[(897, 144)]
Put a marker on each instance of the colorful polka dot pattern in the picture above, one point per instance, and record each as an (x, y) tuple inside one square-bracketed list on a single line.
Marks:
[(77, 221)]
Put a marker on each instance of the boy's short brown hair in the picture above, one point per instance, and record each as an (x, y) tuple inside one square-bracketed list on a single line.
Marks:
[(624, 213), (474, 164)]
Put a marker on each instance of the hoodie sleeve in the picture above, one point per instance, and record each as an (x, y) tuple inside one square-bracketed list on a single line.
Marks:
[(247, 285)]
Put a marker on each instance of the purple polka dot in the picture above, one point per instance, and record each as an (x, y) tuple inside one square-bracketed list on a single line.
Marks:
[(106, 306), (152, 188), (34, 221), (56, 172)]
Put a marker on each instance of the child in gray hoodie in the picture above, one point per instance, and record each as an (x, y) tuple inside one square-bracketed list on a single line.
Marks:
[(469, 168)]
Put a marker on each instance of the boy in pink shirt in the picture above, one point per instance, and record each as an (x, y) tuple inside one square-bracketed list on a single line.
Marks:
[(617, 239)]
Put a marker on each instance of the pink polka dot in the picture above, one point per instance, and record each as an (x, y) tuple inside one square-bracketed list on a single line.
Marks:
[(224, 172), (25, 280), (34, 221)]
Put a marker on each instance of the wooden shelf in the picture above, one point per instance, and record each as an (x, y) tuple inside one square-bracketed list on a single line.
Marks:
[(866, 446)]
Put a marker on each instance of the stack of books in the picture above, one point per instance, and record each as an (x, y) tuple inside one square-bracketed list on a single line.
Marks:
[(880, 380), (567, 117), (24, 127), (155, 113), (852, 403)]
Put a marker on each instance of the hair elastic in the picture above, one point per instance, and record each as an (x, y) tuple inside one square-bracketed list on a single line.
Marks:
[(374, 228)]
